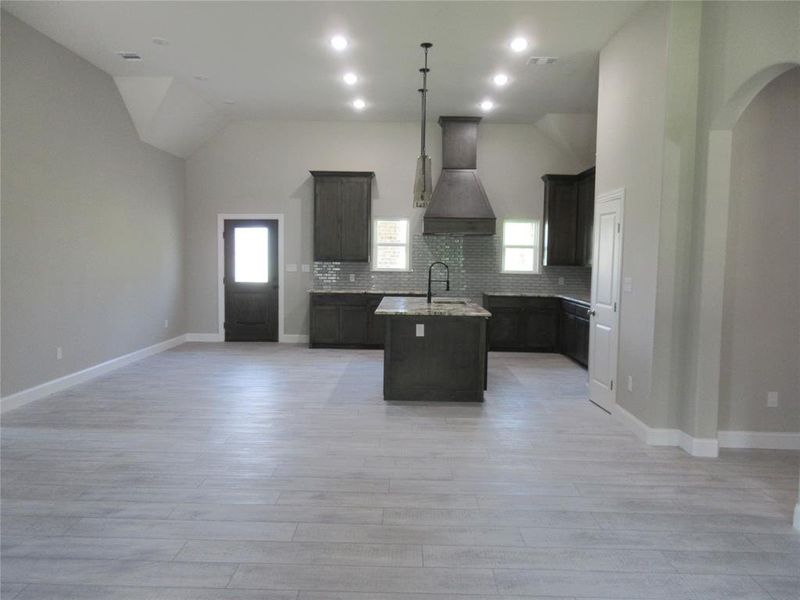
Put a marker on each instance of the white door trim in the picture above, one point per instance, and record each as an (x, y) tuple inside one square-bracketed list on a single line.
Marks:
[(613, 195), (221, 218)]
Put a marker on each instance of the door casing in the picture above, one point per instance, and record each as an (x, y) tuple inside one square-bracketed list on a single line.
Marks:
[(599, 394)]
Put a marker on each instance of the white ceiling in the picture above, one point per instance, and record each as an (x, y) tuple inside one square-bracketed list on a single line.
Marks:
[(274, 60)]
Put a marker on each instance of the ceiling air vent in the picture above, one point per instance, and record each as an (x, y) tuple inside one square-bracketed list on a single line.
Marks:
[(541, 60), (129, 56)]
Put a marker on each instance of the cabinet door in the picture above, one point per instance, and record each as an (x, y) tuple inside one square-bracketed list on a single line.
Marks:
[(325, 325), (355, 218), (327, 227), (504, 328), (560, 221), (541, 329), (582, 341), (376, 325), (353, 324), (568, 335), (583, 251)]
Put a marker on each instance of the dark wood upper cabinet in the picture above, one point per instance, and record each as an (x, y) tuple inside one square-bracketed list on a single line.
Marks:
[(568, 215), (342, 215), (583, 243)]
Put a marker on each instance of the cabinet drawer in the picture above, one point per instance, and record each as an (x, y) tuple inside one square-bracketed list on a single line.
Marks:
[(338, 299)]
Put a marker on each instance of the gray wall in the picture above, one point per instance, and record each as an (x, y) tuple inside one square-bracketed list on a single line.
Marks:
[(761, 321), (92, 218), (630, 151), (262, 167)]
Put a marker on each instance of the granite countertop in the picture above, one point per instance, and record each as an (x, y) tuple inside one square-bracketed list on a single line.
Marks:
[(580, 299), (341, 291), (419, 307)]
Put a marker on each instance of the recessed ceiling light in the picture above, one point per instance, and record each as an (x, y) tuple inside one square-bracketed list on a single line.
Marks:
[(359, 104), (500, 79), (518, 44), (487, 105), (350, 78), (339, 42), (201, 78), (130, 55), (159, 41)]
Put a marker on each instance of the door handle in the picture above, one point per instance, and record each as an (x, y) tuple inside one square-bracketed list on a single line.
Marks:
[(592, 312)]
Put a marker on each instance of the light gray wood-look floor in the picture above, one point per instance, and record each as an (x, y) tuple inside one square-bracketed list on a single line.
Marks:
[(258, 471)]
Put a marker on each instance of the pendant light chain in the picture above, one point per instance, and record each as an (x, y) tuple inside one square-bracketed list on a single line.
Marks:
[(422, 181)]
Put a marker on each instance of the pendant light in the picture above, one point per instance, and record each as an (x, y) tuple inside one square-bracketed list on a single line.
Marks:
[(422, 182)]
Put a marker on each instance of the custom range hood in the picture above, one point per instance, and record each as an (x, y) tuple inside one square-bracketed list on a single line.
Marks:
[(459, 204)]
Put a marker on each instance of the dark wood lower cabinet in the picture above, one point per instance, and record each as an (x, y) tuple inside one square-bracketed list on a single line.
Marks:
[(343, 320), (523, 323), (539, 324)]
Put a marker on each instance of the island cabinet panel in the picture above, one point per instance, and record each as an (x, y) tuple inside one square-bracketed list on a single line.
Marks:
[(446, 362), (522, 323), (342, 215), (568, 218)]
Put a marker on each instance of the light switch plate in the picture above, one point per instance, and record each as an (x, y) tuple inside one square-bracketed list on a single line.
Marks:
[(420, 330), (306, 268), (627, 284), (772, 399), (291, 268)]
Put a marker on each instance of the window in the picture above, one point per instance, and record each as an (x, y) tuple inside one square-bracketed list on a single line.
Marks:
[(390, 251), (251, 255), (520, 246)]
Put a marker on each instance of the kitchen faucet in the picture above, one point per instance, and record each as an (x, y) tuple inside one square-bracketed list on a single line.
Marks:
[(445, 281)]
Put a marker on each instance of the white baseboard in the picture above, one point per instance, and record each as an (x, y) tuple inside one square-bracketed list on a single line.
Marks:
[(57, 385), (204, 337), (286, 338), (705, 447), (654, 436), (766, 440), (294, 338)]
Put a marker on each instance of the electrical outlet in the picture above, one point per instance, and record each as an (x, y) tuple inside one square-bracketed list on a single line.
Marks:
[(560, 281), (772, 399), (420, 330), (59, 353), (306, 268), (352, 277), (630, 383), (166, 323)]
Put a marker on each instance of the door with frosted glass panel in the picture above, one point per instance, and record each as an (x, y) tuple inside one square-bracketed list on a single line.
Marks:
[(251, 280)]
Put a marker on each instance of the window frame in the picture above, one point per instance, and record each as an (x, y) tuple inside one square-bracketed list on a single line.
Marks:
[(375, 244), (536, 247)]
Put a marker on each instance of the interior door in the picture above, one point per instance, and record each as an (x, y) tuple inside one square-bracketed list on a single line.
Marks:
[(604, 317), (251, 280)]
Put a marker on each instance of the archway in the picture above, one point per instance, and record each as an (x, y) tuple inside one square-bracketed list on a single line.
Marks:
[(715, 246)]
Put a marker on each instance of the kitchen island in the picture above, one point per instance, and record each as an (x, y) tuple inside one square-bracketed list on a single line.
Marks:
[(433, 351)]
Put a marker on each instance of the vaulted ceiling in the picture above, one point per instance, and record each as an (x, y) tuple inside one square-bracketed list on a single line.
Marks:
[(274, 59)]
